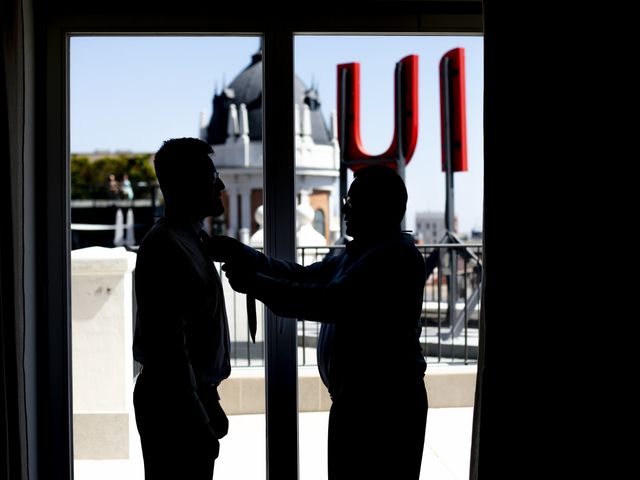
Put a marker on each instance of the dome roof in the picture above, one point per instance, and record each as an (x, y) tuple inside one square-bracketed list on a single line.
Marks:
[(247, 88)]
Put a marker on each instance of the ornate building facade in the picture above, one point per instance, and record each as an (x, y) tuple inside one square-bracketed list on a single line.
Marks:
[(235, 133)]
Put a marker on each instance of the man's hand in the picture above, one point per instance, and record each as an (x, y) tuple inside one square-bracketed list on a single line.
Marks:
[(209, 439), (240, 278), (225, 249)]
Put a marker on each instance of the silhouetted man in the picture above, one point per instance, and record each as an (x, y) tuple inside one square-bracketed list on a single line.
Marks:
[(369, 300), (182, 334)]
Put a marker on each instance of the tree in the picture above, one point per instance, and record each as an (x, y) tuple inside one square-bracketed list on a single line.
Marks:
[(89, 176)]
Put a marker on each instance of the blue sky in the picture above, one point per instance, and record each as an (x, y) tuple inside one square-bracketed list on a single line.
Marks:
[(131, 93)]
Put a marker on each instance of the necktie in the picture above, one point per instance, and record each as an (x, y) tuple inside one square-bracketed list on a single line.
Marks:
[(250, 300), (251, 316)]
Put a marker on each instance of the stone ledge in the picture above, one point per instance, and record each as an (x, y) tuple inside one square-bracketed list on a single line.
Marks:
[(243, 392), (451, 386), (101, 436), (102, 261)]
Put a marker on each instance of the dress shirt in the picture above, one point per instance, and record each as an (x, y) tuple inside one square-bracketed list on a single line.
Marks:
[(370, 301), (182, 333)]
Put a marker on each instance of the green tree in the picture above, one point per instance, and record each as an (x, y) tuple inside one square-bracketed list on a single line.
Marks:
[(90, 177)]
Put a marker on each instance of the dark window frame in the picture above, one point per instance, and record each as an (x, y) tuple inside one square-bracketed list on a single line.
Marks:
[(54, 404)]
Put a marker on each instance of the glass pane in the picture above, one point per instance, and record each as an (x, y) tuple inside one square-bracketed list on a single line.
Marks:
[(445, 343), (128, 95)]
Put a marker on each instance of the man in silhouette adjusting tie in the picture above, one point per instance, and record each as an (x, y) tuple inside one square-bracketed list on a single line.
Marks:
[(182, 335), (369, 300)]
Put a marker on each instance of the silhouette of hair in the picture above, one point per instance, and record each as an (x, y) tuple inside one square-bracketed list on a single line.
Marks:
[(179, 162), (381, 190)]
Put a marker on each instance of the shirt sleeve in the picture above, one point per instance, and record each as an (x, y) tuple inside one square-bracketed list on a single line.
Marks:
[(374, 282)]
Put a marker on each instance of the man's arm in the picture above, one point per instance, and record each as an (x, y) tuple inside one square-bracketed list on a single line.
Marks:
[(328, 300), (370, 286), (242, 257)]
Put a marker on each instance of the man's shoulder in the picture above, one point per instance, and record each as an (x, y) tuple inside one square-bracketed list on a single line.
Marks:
[(395, 252), (164, 235), (157, 234), (401, 243)]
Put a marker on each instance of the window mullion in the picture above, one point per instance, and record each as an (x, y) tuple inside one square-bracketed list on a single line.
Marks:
[(279, 171)]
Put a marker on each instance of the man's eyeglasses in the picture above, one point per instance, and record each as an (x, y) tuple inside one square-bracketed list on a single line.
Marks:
[(216, 176), (346, 203)]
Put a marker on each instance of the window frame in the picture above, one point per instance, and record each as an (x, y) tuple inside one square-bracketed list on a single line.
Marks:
[(54, 404)]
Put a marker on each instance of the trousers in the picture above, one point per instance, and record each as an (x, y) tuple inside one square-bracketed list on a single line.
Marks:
[(376, 436), (174, 446)]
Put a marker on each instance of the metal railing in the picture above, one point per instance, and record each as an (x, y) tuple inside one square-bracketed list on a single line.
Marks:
[(445, 338), (451, 338)]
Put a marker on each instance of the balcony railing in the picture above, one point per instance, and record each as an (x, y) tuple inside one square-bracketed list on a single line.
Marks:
[(445, 338)]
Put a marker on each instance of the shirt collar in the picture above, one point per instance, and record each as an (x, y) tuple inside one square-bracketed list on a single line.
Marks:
[(193, 226), (369, 242)]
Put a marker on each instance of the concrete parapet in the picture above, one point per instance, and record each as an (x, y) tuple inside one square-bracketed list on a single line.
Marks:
[(243, 392), (101, 312), (451, 385)]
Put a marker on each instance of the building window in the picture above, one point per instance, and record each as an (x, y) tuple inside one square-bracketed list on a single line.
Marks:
[(318, 222)]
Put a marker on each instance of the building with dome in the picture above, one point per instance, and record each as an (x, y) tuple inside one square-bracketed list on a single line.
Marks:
[(235, 133)]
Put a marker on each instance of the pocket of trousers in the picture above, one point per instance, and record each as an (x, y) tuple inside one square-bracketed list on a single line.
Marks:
[(218, 420), (210, 441)]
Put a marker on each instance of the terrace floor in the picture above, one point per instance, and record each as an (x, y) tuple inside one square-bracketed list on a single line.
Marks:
[(446, 453)]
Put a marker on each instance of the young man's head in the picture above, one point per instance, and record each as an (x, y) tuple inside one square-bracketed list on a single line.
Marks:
[(376, 202), (188, 179)]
